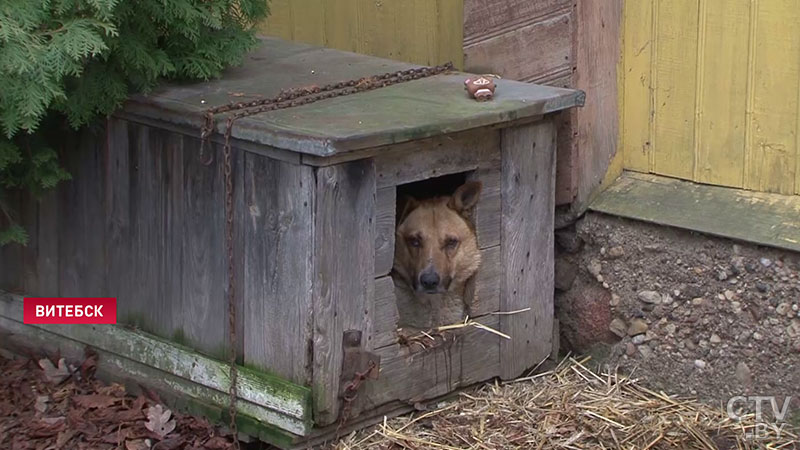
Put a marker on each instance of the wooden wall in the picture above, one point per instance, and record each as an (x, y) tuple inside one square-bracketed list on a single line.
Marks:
[(711, 92), (427, 32)]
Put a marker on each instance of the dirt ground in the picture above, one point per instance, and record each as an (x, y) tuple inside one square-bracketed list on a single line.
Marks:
[(686, 313)]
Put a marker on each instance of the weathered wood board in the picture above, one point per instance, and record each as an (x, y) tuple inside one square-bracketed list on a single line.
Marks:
[(760, 218), (527, 245)]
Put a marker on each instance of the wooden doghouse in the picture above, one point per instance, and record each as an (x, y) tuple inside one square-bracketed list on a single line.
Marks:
[(315, 196)]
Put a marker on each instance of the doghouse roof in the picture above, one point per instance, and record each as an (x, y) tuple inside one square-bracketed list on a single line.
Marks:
[(412, 110)]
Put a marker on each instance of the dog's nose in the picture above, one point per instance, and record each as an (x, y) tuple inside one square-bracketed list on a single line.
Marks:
[(429, 280)]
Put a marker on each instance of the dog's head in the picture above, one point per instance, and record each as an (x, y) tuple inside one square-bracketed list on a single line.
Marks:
[(436, 249)]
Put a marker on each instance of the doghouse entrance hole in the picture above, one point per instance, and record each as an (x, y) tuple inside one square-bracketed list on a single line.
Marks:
[(429, 188)]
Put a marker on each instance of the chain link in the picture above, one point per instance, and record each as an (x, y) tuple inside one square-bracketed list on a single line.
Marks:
[(286, 99)]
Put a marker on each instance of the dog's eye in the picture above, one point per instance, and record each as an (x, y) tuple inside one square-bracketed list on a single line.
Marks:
[(414, 242), (451, 243)]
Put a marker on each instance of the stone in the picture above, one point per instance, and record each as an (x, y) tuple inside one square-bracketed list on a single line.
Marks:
[(743, 374), (758, 336), (783, 309), (722, 275), (651, 297), (618, 327), (729, 295), (594, 267), (645, 351), (630, 349), (671, 329), (565, 273), (615, 299), (584, 314), (698, 301), (715, 339), (700, 364), (638, 339), (667, 299), (762, 287), (615, 252), (569, 240), (637, 326), (766, 262)]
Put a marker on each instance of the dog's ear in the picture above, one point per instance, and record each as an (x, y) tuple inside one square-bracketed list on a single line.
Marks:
[(407, 204), (466, 196)]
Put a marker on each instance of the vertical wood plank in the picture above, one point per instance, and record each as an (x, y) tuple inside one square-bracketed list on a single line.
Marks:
[(308, 21), (770, 159), (676, 76), (344, 242), (11, 255), (278, 266), (450, 33), (527, 245), (279, 22), (118, 221), (41, 253), (82, 242), (204, 271), (386, 204), (378, 27), (637, 106), (171, 288), (720, 150), (337, 14)]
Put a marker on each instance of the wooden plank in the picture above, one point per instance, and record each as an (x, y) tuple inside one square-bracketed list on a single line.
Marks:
[(308, 21), (528, 209), (170, 289), (595, 127), (487, 214), (509, 54), (385, 207), (383, 331), (204, 321), (675, 85), (487, 17), (81, 240), (760, 218), (337, 14), (120, 262), (288, 402), (771, 153), (488, 283), (638, 106), (278, 269), (722, 93), (41, 253), (343, 286), (11, 255), (461, 154), (419, 376), (279, 23), (448, 22), (379, 31)]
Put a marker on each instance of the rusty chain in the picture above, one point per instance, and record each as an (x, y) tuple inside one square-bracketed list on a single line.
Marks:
[(286, 99), (350, 393)]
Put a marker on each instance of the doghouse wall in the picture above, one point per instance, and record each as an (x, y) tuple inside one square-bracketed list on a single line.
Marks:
[(142, 220)]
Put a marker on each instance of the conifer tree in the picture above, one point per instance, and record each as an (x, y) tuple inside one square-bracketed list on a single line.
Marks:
[(64, 63)]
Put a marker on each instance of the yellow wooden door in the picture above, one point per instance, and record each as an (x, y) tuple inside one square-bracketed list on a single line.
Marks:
[(427, 32), (711, 91)]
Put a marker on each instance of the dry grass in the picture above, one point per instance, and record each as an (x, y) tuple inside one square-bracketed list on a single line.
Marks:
[(570, 407)]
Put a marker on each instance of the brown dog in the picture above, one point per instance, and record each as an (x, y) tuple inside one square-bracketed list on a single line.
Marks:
[(436, 254)]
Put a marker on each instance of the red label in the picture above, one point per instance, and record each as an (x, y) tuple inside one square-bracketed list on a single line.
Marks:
[(63, 310)]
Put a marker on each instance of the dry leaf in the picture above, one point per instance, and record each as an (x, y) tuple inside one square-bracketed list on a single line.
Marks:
[(52, 373), (158, 421), (64, 437), (41, 403), (95, 400), (217, 443), (138, 444)]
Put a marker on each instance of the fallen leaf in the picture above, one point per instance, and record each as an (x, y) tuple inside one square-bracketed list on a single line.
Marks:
[(138, 444), (63, 438), (41, 403), (95, 400), (52, 373), (217, 443), (158, 421), (169, 444)]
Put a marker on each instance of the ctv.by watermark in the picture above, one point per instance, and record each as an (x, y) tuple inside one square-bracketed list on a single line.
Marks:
[(764, 425)]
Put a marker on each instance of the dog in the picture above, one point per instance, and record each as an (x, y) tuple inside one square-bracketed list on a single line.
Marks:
[(436, 257)]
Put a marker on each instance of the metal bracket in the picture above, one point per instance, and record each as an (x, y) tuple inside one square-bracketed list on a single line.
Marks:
[(358, 365)]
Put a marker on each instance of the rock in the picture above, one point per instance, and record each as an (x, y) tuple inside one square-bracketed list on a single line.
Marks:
[(600, 278), (746, 334), (637, 326), (667, 299), (638, 339), (766, 262), (630, 349), (645, 351), (615, 252), (649, 335), (700, 364), (783, 309), (651, 297), (750, 267), (565, 273), (584, 314), (715, 339), (615, 299), (569, 240), (698, 301), (693, 291), (762, 287), (594, 267), (618, 327), (729, 295), (654, 248), (671, 329), (722, 275), (758, 336), (743, 374)]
